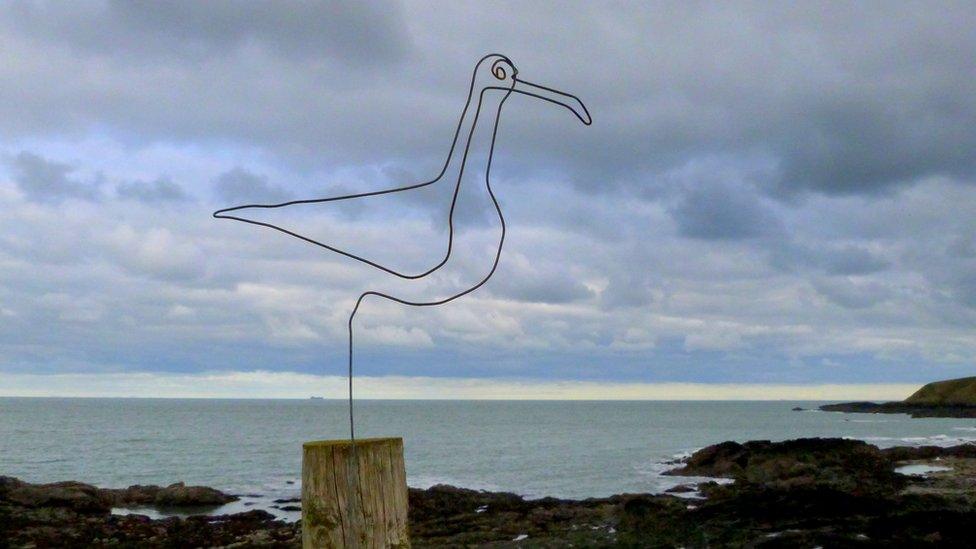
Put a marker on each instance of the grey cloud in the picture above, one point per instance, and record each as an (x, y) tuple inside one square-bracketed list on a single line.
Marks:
[(538, 279), (867, 146), (850, 294), (792, 149), (951, 276), (630, 288), (161, 189), (356, 32), (241, 186), (841, 99), (963, 246), (853, 260), (49, 181), (155, 253), (719, 211), (965, 288), (552, 290), (831, 259)]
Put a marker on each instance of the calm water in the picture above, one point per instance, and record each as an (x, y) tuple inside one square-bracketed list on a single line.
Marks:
[(567, 449)]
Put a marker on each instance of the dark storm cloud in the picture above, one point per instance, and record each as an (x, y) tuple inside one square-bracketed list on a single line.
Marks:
[(47, 181), (239, 186), (855, 145), (158, 190), (840, 99), (362, 32)]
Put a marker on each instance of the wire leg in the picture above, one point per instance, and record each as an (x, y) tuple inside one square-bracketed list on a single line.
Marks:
[(352, 425)]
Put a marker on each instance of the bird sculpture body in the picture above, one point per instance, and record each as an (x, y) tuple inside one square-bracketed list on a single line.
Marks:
[(494, 80)]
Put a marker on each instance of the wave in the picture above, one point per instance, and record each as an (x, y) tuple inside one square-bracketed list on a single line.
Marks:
[(932, 440)]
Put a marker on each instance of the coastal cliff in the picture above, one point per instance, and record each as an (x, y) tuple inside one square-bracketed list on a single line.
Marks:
[(952, 392), (949, 398)]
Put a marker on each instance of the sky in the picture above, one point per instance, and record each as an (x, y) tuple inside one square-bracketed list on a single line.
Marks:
[(772, 200)]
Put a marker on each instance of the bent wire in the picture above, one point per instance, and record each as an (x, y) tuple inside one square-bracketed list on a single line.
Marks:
[(502, 75)]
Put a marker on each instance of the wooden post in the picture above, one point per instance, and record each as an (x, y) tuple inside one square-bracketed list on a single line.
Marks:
[(354, 499)]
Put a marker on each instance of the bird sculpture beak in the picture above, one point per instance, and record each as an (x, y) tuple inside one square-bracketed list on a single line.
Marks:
[(567, 100)]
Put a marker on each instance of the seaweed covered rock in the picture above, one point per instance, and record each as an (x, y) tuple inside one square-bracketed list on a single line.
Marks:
[(446, 516), (76, 496), (799, 493), (849, 465), (906, 453), (174, 495), (74, 514)]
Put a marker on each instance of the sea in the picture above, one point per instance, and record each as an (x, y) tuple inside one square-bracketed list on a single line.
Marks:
[(567, 449)]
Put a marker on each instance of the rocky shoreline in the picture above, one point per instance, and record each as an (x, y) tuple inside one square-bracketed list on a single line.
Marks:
[(912, 409), (805, 492)]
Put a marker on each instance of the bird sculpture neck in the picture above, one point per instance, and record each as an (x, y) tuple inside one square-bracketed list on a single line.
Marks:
[(474, 141)]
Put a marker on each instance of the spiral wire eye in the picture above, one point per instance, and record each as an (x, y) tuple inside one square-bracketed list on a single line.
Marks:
[(499, 70)]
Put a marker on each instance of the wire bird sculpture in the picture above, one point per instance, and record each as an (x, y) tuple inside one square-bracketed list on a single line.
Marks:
[(494, 79)]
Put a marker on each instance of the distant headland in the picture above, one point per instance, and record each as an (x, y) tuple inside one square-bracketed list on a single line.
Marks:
[(949, 398)]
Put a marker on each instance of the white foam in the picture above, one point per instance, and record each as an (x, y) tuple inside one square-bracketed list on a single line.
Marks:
[(659, 483), (941, 440), (264, 504)]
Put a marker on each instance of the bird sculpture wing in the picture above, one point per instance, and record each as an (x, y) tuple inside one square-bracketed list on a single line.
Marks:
[(239, 213)]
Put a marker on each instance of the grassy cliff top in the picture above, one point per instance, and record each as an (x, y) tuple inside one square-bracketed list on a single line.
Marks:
[(960, 391)]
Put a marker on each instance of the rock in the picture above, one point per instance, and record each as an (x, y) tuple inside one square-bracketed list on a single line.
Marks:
[(852, 407), (797, 409), (840, 464), (906, 453), (288, 500), (76, 496), (174, 495), (134, 495), (446, 516), (800, 493), (77, 515), (648, 521), (180, 495), (681, 489), (718, 460), (807, 493)]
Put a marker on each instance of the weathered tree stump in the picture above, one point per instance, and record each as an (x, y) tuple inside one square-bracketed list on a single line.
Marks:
[(354, 498)]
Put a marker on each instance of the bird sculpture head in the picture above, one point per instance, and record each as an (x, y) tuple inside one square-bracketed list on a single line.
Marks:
[(497, 72)]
